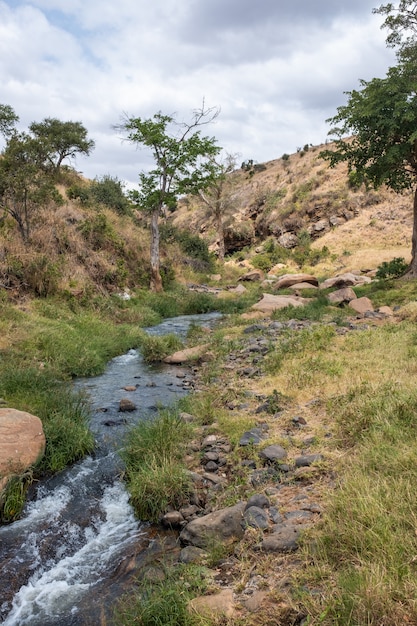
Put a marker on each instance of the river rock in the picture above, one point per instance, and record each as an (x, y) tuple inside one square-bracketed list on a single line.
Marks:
[(189, 354), (126, 405), (284, 539), (273, 453), (255, 517), (22, 442), (224, 525), (270, 303)]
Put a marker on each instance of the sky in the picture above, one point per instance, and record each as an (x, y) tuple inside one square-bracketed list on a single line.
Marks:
[(276, 69)]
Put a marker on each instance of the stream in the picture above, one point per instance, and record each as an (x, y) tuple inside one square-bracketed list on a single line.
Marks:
[(78, 545)]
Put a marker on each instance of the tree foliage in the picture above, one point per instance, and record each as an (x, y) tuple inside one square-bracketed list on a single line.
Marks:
[(183, 163), (382, 117), (29, 164), (401, 22), (216, 195), (61, 140)]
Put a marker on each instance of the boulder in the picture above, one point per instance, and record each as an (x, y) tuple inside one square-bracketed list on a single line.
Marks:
[(342, 295), (361, 305), (189, 354), (287, 280), (299, 286), (284, 539), (270, 303), (22, 442), (253, 276), (126, 405), (214, 606), (224, 525), (345, 280)]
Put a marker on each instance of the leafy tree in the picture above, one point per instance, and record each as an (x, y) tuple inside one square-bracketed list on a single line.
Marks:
[(183, 160), (8, 120), (382, 117), (217, 195), (401, 22), (61, 140), (24, 183)]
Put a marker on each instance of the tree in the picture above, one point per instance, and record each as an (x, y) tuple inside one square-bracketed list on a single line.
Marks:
[(382, 117), (401, 21), (8, 120), (216, 196), (61, 140), (24, 183), (183, 161)]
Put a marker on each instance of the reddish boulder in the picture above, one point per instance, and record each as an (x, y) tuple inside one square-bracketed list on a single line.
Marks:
[(22, 442)]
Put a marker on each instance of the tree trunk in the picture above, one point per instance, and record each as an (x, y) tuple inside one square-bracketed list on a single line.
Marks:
[(412, 269), (220, 234), (156, 280)]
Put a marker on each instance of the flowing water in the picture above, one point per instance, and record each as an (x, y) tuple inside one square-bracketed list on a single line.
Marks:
[(78, 544)]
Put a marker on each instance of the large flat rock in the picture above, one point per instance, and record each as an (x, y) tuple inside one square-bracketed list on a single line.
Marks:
[(22, 442), (270, 303), (189, 354)]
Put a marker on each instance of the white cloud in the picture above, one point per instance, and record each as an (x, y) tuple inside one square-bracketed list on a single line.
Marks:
[(277, 68)]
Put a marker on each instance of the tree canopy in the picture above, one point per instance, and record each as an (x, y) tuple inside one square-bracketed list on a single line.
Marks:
[(382, 117), (183, 163)]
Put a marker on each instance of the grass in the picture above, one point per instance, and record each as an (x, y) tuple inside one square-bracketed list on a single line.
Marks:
[(155, 474), (371, 552), (164, 603)]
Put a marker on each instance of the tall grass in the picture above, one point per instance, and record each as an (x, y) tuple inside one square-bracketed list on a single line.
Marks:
[(368, 540), (156, 476)]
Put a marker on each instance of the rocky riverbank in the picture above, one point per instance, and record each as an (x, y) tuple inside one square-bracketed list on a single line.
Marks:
[(255, 500)]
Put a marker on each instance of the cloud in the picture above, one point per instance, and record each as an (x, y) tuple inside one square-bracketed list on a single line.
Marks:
[(276, 68)]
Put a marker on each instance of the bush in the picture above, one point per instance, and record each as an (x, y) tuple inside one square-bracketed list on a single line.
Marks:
[(109, 191), (392, 269)]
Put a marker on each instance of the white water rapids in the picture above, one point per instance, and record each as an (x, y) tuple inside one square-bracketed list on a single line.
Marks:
[(58, 562)]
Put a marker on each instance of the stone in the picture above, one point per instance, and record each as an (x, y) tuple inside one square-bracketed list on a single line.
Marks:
[(130, 388), (255, 517), (288, 280), (173, 519), (273, 453), (299, 286), (126, 405), (254, 276), (259, 500), (270, 303), (307, 459), (22, 442), (253, 436), (224, 525), (361, 305), (238, 290), (345, 280), (192, 554), (214, 606), (341, 295), (189, 354), (284, 539)]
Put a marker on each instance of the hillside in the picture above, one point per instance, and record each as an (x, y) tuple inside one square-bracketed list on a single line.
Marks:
[(300, 193)]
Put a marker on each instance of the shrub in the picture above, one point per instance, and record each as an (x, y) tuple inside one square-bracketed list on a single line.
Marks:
[(155, 348), (392, 269), (109, 191)]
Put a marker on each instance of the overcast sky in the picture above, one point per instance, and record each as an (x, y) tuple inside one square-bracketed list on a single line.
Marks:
[(277, 69)]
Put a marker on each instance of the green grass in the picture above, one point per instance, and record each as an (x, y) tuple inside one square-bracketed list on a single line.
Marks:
[(368, 539), (163, 603), (155, 348), (155, 474)]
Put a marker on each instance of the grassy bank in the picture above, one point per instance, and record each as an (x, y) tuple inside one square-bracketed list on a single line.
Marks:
[(45, 343), (356, 388)]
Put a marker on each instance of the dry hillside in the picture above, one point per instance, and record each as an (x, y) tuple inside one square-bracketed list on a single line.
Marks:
[(299, 192)]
